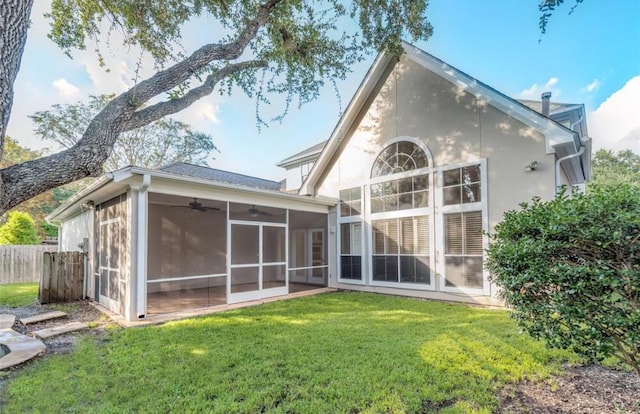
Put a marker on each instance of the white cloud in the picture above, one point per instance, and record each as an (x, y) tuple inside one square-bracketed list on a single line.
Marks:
[(595, 84), (615, 123), (535, 90), (65, 88)]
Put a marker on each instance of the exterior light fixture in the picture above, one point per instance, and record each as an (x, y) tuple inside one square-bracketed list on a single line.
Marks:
[(532, 166)]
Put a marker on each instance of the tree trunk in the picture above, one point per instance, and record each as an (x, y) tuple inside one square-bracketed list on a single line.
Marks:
[(14, 22)]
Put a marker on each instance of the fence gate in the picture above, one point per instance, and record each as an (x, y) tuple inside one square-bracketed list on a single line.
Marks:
[(62, 277)]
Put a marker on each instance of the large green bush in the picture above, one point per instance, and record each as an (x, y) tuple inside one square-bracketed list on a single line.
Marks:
[(570, 270), (19, 229)]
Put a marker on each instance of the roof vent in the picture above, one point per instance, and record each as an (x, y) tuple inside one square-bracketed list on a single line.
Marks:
[(546, 100)]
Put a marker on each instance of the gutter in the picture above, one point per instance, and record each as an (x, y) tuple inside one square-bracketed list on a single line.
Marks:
[(561, 160)]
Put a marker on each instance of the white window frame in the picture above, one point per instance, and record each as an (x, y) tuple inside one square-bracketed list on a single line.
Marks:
[(481, 206), (422, 211), (432, 251), (348, 220), (309, 166)]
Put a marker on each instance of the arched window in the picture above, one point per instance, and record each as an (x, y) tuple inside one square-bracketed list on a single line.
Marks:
[(399, 157), (401, 216)]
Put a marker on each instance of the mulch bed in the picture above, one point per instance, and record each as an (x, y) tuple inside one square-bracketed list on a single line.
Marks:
[(588, 390)]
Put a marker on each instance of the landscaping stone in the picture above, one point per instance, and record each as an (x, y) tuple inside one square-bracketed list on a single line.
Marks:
[(7, 321), (43, 317), (21, 347), (59, 330)]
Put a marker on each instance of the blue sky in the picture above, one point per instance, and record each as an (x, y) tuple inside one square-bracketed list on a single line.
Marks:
[(590, 57)]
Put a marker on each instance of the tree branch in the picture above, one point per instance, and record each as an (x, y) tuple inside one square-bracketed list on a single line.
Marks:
[(159, 110), (168, 79)]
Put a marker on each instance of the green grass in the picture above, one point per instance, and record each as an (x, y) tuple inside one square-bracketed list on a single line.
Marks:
[(332, 353), (14, 295)]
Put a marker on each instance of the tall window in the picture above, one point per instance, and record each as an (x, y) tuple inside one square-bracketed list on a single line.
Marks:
[(401, 218), (463, 250), (350, 234), (401, 250), (351, 251), (462, 216)]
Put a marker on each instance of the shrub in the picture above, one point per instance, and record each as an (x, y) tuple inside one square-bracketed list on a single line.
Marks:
[(18, 229), (570, 270)]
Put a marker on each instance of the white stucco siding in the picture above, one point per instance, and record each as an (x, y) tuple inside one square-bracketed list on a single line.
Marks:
[(73, 231), (457, 127), (509, 147)]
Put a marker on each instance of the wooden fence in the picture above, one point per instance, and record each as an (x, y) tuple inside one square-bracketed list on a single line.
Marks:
[(23, 263), (62, 277)]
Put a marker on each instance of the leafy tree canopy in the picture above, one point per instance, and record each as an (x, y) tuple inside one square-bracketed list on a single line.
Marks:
[(159, 143), (281, 47), (18, 229), (611, 168), (548, 7)]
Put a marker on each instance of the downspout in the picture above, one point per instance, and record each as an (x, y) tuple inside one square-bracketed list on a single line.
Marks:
[(140, 244), (568, 157)]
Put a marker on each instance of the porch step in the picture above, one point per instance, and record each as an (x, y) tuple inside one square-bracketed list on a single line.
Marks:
[(59, 330), (42, 317), (6, 321)]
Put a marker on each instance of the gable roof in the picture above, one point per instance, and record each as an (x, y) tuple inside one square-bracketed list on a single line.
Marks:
[(558, 138), (308, 153), (213, 174), (116, 182)]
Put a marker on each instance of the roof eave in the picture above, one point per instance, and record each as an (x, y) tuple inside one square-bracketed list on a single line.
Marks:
[(346, 120)]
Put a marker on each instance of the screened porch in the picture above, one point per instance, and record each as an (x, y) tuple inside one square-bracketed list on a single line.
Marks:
[(204, 253)]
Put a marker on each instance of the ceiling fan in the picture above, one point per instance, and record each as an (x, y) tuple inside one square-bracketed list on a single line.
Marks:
[(255, 212), (197, 206)]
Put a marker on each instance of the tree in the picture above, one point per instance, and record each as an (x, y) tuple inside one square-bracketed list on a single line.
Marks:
[(569, 269), (284, 47), (161, 142), (548, 7), (18, 229), (41, 205), (611, 168)]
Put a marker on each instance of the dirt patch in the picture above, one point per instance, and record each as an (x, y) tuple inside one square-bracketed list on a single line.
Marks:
[(588, 390)]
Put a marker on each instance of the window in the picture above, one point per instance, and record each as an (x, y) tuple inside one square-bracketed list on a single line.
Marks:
[(305, 169), (401, 252), (350, 202), (351, 251), (401, 194), (462, 185), (463, 250), (399, 157)]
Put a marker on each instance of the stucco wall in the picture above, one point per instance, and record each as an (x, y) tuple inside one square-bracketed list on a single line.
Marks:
[(457, 127)]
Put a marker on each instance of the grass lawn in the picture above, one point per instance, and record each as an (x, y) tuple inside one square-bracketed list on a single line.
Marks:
[(331, 353), (18, 294)]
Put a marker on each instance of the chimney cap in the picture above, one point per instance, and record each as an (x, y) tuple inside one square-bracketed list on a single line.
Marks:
[(545, 95)]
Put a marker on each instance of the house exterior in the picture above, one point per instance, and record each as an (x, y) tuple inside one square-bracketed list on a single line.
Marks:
[(398, 200)]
